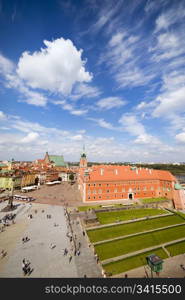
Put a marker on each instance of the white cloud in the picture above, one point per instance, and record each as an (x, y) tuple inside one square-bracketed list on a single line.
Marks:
[(71, 108), (170, 17), (85, 91), (77, 137), (124, 60), (6, 66), (117, 39), (56, 68), (110, 102), (102, 123), (12, 80), (169, 45), (79, 112), (31, 137), (132, 77), (180, 137), (130, 124), (2, 116), (82, 131), (105, 15), (170, 102)]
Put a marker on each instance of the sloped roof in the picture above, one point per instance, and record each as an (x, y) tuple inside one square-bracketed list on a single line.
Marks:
[(58, 160), (119, 173)]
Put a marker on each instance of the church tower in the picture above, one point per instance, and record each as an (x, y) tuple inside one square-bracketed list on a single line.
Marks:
[(83, 159)]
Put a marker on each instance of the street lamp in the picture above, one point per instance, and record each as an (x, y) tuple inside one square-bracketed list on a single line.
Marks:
[(10, 200)]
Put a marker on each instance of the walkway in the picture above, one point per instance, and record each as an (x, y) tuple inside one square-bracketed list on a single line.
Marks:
[(85, 262)]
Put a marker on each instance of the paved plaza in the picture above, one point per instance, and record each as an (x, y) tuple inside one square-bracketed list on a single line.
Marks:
[(56, 195), (43, 232), (49, 262)]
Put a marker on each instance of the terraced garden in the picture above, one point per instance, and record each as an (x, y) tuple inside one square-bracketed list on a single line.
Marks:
[(129, 214), (111, 232), (131, 244), (85, 208), (152, 200), (177, 248), (133, 262)]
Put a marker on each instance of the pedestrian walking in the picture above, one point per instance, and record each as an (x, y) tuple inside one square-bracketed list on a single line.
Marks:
[(24, 267), (3, 253), (70, 258), (52, 246), (83, 233)]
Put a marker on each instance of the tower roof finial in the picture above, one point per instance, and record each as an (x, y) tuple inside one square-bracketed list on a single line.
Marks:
[(83, 153)]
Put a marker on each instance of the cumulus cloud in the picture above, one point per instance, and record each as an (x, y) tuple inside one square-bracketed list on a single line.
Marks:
[(56, 68), (30, 137), (77, 137), (130, 124), (180, 137), (110, 102)]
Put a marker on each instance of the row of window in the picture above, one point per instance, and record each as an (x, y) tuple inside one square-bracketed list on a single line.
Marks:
[(130, 182), (130, 190), (120, 196), (110, 197)]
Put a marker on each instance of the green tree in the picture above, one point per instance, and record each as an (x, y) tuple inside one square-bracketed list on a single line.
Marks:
[(71, 177)]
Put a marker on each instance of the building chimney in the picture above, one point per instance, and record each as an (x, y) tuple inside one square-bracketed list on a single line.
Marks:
[(101, 171)]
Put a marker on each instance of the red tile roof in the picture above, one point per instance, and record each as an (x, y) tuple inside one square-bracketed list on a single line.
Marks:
[(119, 173)]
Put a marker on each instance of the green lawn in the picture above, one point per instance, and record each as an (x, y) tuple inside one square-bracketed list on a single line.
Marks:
[(177, 248), (135, 243), (125, 229), (151, 200), (133, 262), (180, 213), (84, 208), (127, 214)]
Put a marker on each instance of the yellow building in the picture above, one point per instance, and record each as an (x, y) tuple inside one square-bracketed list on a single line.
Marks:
[(28, 179), (9, 182)]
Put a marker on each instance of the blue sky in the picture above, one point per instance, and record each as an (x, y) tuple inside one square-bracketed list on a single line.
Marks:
[(107, 74)]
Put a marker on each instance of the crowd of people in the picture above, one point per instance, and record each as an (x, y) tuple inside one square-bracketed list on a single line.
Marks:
[(75, 238)]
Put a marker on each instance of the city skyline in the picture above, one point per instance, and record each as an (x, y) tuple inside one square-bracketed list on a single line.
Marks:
[(110, 76)]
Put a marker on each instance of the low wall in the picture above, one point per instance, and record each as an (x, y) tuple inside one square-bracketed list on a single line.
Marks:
[(165, 204)]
